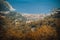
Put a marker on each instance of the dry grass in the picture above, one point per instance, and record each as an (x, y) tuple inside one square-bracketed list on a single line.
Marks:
[(45, 32)]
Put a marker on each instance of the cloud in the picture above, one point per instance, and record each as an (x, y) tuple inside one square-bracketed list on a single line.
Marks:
[(8, 6)]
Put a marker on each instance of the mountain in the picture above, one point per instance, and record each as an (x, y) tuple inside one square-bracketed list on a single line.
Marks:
[(13, 15), (54, 18), (6, 10), (56, 13)]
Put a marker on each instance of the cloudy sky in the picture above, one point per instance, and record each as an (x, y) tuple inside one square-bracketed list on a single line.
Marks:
[(34, 6)]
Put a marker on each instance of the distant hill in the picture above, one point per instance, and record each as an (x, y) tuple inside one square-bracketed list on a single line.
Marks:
[(13, 15), (6, 10), (54, 18)]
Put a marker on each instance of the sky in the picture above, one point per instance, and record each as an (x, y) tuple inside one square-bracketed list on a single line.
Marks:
[(34, 6)]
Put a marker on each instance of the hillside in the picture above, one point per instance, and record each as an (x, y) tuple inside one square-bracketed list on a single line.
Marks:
[(46, 29)]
